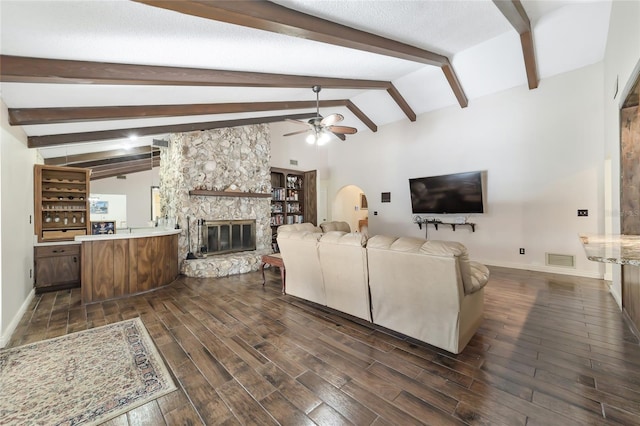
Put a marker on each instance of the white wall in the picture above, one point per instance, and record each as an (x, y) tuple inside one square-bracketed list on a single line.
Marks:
[(137, 188), (621, 64), (16, 227), (542, 150)]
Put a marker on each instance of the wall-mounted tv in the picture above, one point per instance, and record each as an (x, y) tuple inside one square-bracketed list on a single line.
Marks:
[(456, 193)]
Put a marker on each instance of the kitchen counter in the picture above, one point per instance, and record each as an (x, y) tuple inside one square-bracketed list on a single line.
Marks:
[(619, 249), (123, 264)]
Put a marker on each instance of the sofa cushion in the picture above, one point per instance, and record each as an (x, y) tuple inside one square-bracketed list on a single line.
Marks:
[(474, 275), (380, 242), (343, 238), (442, 248), (335, 226), (298, 227)]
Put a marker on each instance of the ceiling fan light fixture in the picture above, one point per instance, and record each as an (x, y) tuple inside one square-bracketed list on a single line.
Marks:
[(311, 138), (323, 139), (322, 128)]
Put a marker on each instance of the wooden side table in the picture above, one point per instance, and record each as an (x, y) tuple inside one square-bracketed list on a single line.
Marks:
[(273, 260)]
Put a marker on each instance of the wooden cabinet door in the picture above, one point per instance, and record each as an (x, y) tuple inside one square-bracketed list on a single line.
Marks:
[(57, 270), (310, 197)]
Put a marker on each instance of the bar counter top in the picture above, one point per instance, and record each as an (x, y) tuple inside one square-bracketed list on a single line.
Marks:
[(135, 233), (620, 249)]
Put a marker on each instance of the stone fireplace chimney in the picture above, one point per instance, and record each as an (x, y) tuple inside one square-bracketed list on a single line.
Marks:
[(233, 160)]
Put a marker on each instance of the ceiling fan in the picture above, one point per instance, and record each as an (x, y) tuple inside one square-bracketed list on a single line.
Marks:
[(322, 128)]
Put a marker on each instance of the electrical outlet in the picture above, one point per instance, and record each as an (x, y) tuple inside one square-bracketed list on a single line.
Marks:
[(584, 212), (521, 251)]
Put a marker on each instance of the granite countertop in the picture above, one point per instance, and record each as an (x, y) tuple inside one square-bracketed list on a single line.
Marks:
[(620, 249)]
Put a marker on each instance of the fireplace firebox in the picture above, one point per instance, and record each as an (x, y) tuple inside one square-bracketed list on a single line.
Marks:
[(227, 236)]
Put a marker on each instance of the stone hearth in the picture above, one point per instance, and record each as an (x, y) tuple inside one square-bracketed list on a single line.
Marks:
[(223, 264), (230, 159)]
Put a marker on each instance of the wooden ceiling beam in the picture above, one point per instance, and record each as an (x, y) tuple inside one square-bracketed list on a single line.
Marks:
[(122, 169), (402, 103), (32, 116), (517, 17), (102, 158), (39, 70), (97, 156), (361, 116), (21, 69), (115, 160), (267, 16), (101, 135)]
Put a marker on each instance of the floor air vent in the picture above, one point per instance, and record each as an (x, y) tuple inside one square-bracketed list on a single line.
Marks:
[(564, 260)]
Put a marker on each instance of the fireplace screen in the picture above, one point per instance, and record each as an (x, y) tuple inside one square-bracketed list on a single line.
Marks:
[(228, 236)]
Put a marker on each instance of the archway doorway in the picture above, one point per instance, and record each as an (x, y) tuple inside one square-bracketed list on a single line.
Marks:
[(350, 205)]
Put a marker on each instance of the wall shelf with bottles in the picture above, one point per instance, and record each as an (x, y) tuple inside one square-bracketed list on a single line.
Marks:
[(61, 202)]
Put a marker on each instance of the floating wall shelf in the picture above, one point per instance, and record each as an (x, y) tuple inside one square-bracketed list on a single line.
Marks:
[(207, 193), (420, 221)]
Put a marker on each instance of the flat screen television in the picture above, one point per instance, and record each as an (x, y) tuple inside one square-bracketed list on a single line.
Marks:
[(456, 193)]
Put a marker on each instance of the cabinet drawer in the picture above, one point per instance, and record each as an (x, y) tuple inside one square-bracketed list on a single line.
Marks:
[(59, 250), (62, 234)]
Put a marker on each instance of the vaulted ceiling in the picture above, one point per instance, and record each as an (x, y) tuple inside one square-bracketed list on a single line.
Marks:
[(82, 77)]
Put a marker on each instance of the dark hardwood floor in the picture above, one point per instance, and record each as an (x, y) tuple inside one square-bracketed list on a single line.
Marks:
[(553, 350)]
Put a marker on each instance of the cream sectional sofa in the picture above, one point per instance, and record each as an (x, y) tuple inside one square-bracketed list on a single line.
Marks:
[(428, 290)]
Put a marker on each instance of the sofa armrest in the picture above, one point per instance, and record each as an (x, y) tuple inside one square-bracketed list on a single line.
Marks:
[(335, 226), (479, 276)]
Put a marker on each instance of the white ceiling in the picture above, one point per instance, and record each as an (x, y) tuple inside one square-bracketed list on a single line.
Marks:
[(483, 47)]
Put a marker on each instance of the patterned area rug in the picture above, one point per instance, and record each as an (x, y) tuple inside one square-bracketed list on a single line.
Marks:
[(81, 378)]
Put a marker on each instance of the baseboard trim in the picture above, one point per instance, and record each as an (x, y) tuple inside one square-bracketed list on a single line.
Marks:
[(544, 268), (6, 336)]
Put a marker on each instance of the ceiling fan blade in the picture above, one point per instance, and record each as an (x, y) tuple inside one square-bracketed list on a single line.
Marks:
[(296, 133), (345, 130), (332, 119), (296, 121)]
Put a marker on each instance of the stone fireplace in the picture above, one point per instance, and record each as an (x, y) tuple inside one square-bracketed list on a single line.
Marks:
[(220, 176)]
